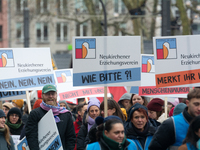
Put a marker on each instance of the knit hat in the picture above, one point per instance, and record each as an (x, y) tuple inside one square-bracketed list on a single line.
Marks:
[(175, 102), (48, 88), (19, 102), (8, 105), (93, 102), (155, 104), (14, 110), (37, 103), (134, 108), (125, 96), (99, 120), (2, 114), (179, 108)]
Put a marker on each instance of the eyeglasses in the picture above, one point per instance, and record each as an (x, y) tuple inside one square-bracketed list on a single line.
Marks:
[(13, 115)]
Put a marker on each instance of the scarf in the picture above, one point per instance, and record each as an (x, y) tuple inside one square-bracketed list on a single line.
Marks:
[(90, 122), (14, 126), (55, 109), (2, 129), (113, 144)]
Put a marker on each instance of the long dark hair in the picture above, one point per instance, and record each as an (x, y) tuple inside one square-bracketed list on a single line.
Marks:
[(113, 104), (191, 136), (144, 99), (106, 126)]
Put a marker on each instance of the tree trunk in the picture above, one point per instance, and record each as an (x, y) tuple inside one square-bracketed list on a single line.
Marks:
[(184, 18)]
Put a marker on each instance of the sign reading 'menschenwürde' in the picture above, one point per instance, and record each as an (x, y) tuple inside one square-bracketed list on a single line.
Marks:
[(25, 69), (111, 61)]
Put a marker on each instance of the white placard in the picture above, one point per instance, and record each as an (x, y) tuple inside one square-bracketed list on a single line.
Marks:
[(48, 135), (106, 61), (148, 84), (66, 90), (22, 145), (177, 60), (25, 69)]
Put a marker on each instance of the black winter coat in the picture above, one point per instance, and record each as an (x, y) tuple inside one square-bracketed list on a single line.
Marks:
[(165, 135), (16, 131), (65, 129), (82, 134)]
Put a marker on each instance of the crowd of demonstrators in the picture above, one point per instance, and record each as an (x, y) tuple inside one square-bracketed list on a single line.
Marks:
[(132, 122), (62, 118), (172, 131), (93, 111), (6, 141), (113, 110)]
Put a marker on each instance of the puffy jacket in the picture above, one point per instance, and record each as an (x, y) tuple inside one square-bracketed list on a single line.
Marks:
[(101, 145), (165, 135), (142, 140), (65, 129)]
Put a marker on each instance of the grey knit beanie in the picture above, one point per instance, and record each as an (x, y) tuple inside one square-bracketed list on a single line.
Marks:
[(2, 114)]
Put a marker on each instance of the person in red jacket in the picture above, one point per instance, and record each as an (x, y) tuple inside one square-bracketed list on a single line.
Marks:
[(77, 124)]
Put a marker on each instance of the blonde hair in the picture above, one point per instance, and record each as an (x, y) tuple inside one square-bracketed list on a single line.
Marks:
[(7, 134)]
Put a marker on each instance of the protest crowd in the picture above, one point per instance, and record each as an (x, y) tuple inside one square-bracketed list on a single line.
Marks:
[(132, 122)]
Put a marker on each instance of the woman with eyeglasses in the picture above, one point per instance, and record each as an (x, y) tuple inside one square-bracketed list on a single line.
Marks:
[(6, 142), (14, 121)]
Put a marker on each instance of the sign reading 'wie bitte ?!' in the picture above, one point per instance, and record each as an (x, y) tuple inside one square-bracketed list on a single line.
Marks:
[(25, 69), (106, 61), (177, 61)]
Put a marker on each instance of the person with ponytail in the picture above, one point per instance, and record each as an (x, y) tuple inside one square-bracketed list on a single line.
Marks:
[(6, 142), (193, 136), (110, 135)]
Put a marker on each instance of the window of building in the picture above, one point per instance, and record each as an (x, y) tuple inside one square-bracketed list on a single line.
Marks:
[(1, 32), (80, 6), (42, 32), (19, 5), (62, 6), (42, 6), (82, 29), (119, 7), (19, 32), (62, 32)]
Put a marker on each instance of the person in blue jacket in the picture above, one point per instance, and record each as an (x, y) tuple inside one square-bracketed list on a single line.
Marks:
[(138, 128), (110, 135), (193, 135)]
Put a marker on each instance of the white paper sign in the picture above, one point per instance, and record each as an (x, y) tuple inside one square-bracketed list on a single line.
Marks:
[(25, 69), (70, 93), (106, 61), (177, 60), (48, 135)]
